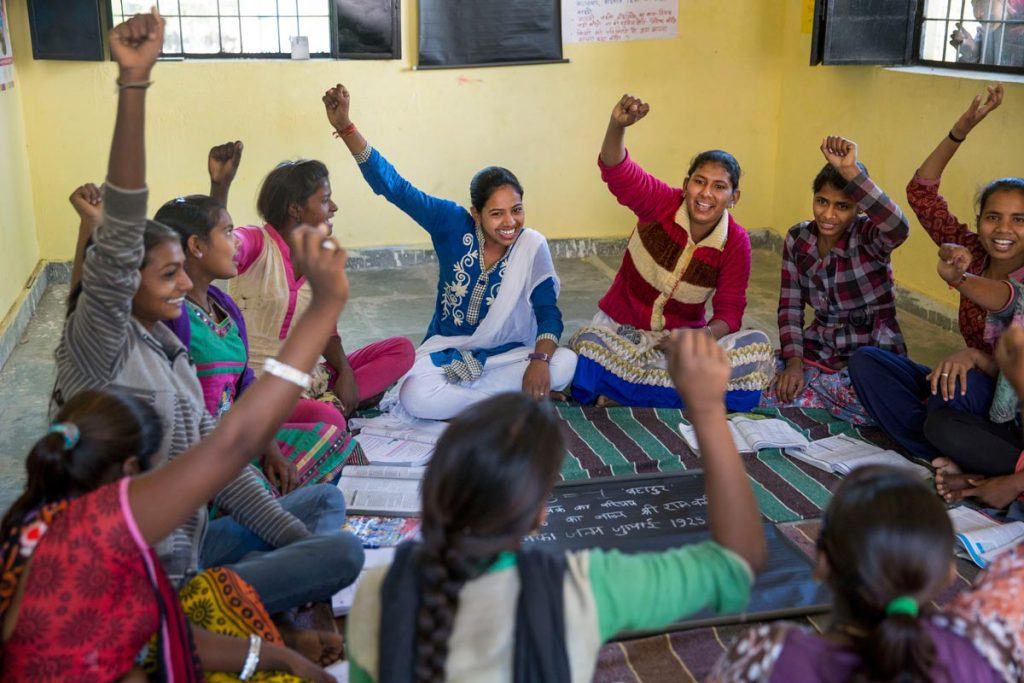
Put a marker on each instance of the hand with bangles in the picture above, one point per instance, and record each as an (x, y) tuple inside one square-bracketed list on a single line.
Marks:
[(996, 492)]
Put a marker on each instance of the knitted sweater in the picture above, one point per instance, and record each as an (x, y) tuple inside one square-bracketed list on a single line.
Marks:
[(103, 346), (665, 279)]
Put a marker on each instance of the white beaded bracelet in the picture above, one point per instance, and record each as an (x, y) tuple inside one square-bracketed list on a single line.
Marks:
[(252, 660), (287, 373)]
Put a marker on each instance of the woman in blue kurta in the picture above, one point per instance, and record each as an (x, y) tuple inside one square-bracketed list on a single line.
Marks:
[(496, 325)]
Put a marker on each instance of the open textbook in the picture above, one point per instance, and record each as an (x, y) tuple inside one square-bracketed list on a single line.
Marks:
[(403, 443), (751, 435), (982, 538), (842, 454), (377, 490)]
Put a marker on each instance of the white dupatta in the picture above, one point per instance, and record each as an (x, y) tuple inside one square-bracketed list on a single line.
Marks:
[(509, 320)]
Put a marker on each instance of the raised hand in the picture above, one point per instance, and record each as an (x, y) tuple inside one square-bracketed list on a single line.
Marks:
[(223, 161), (629, 110), (841, 154), (954, 260), (978, 110), (87, 201), (960, 36), (322, 262), (336, 102), (699, 368), (136, 44)]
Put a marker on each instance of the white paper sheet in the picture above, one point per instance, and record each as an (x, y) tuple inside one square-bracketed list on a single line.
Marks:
[(597, 21)]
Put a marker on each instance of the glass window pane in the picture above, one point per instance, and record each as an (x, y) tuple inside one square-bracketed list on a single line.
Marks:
[(318, 30), (136, 7), (172, 38), (230, 35), (941, 9), (286, 7), (935, 41), (259, 34), (201, 8), (229, 8), (200, 36), (289, 28), (168, 7), (256, 8), (314, 7)]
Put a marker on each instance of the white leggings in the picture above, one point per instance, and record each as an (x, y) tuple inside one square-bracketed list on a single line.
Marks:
[(428, 395)]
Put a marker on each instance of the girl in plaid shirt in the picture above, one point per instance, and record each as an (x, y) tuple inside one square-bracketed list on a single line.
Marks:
[(839, 264)]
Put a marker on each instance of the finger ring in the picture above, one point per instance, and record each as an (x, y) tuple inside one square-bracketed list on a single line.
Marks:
[(329, 245), (945, 374)]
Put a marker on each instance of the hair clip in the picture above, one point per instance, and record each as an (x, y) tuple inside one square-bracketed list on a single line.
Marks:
[(67, 430)]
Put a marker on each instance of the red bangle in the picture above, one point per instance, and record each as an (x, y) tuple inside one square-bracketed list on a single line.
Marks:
[(346, 131)]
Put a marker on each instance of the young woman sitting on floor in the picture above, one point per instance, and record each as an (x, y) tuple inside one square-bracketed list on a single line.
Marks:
[(927, 410), (496, 324), (271, 292), (686, 249), (839, 264), (214, 331), (886, 550), (989, 467), (442, 610), (115, 337)]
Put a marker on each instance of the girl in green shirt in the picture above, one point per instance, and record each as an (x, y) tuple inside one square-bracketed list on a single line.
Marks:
[(468, 603)]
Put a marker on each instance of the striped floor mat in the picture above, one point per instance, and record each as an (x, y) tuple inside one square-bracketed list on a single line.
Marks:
[(605, 442)]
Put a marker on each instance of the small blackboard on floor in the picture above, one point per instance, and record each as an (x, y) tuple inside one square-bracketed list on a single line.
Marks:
[(655, 512)]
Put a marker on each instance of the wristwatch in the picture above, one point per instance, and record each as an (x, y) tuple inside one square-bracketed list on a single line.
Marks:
[(540, 356)]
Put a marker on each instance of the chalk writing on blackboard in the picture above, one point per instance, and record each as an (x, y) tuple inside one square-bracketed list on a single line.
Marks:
[(596, 21)]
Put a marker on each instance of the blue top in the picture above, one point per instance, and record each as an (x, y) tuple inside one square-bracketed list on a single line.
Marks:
[(465, 292)]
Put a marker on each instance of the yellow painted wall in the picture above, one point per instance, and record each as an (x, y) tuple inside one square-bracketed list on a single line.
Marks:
[(19, 250), (896, 118), (708, 88)]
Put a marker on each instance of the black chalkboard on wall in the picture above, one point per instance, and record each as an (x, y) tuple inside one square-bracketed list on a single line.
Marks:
[(456, 33), (368, 29), (65, 30), (863, 31), (654, 512)]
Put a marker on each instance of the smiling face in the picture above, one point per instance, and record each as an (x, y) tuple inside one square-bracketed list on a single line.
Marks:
[(163, 286), (1001, 226), (214, 255), (834, 211), (318, 208), (707, 194), (502, 216)]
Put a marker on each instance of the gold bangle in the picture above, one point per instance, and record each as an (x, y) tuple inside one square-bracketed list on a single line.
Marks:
[(137, 85)]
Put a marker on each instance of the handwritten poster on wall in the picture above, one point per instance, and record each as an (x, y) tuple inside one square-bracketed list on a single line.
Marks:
[(6, 50), (597, 21)]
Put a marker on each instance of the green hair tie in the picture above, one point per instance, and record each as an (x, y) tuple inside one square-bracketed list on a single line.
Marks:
[(903, 605)]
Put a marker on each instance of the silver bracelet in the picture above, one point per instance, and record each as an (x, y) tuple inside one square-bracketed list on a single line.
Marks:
[(252, 660), (287, 373), (363, 156)]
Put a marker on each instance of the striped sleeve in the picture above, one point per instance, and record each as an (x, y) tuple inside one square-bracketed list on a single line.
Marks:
[(252, 506), (95, 342), (891, 228)]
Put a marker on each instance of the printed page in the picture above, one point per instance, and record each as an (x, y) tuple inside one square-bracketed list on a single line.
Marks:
[(384, 450), (422, 431), (382, 472), (761, 434), (983, 537), (689, 435)]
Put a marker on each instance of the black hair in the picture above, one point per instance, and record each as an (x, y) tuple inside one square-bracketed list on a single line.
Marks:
[(886, 535), (153, 236), (291, 182), (491, 472), (191, 215), (828, 175), (1008, 184), (112, 426), (723, 159), (486, 182)]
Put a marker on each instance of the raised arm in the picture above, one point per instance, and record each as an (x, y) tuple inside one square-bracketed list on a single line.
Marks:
[(627, 111), (95, 334), (222, 164), (936, 162), (163, 499), (87, 201), (700, 371), (432, 214)]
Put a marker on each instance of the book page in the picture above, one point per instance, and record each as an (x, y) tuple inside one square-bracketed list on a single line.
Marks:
[(382, 472), (422, 431), (689, 435), (772, 433), (384, 450), (981, 536)]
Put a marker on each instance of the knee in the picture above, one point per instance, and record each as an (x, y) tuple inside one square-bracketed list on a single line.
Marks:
[(563, 367), (330, 499), (864, 358), (404, 353), (342, 556), (419, 395)]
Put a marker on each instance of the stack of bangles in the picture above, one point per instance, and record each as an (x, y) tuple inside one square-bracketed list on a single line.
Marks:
[(346, 131), (252, 660), (274, 367)]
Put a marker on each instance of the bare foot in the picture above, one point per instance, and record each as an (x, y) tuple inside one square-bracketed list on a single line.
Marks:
[(946, 483), (995, 492), (605, 402), (322, 647), (945, 465)]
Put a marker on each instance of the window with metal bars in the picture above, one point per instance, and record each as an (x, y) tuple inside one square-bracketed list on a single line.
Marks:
[(237, 28), (972, 34)]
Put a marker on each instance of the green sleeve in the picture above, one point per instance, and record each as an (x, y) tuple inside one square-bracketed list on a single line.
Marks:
[(356, 673), (651, 590)]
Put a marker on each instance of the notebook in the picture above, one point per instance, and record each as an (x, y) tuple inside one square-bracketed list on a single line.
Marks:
[(387, 440), (377, 490), (751, 436), (842, 454), (982, 538)]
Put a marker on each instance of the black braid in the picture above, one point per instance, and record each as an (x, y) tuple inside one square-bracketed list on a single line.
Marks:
[(444, 570)]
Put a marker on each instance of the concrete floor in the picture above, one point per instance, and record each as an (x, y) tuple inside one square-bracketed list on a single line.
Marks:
[(383, 303)]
